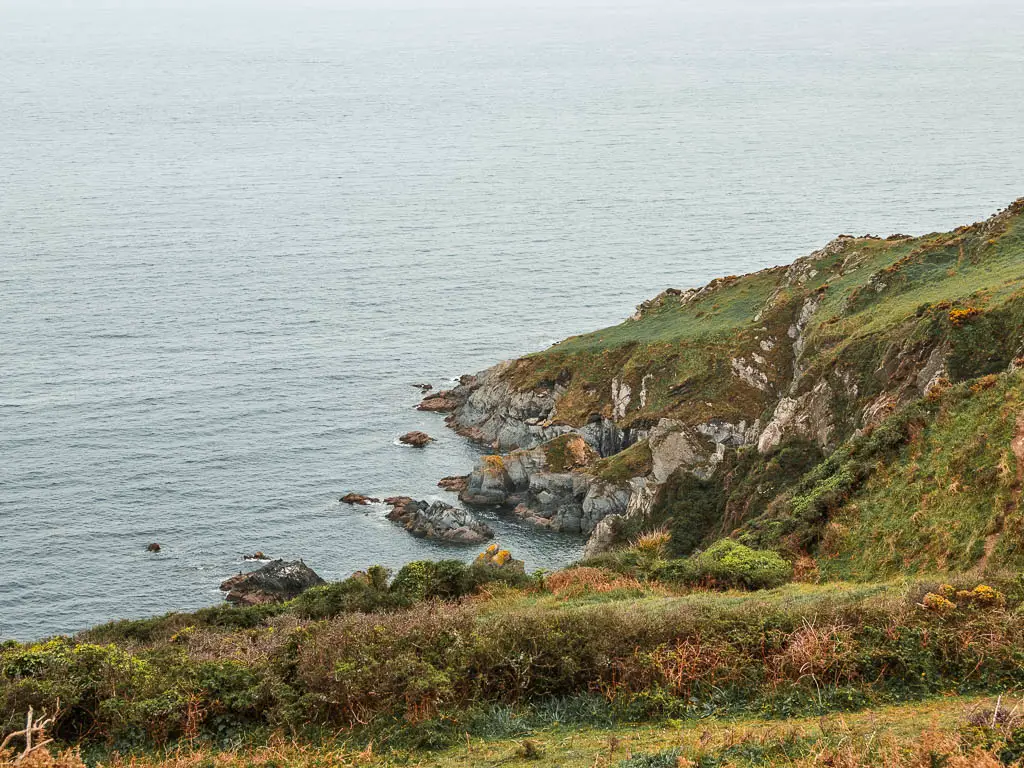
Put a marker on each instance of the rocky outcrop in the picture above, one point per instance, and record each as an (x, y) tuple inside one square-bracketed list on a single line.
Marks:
[(439, 402), (454, 483), (273, 583), (572, 503), (438, 521), (605, 535), (910, 370), (358, 498), (809, 416), (416, 439), (502, 480), (567, 500), (489, 408), (674, 445)]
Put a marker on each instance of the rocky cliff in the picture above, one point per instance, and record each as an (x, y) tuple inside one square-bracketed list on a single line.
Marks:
[(604, 433)]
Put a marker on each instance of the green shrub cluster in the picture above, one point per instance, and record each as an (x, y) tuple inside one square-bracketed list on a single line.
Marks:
[(416, 582), (726, 564), (729, 564)]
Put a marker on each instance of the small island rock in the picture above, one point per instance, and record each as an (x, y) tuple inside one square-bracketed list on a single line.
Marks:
[(416, 439), (439, 521), (358, 498), (154, 547), (441, 401), (273, 583)]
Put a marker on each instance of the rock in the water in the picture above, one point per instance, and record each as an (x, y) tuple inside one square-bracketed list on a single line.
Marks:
[(273, 583), (424, 387), (441, 401), (255, 556), (416, 439), (358, 498), (438, 521), (154, 547), (455, 483)]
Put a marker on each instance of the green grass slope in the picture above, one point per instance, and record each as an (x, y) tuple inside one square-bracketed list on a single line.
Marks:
[(950, 498)]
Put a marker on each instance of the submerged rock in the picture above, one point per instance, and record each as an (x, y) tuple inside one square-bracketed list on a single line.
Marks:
[(424, 387), (358, 498), (154, 547), (416, 439), (255, 556), (438, 521), (273, 583)]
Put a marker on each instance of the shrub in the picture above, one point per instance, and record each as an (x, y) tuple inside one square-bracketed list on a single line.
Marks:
[(426, 579), (727, 563), (960, 316), (357, 593), (938, 604)]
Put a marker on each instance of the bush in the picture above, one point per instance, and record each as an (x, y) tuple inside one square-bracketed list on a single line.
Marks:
[(727, 563), (361, 593), (426, 580)]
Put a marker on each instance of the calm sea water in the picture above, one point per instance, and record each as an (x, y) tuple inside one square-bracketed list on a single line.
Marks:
[(233, 234)]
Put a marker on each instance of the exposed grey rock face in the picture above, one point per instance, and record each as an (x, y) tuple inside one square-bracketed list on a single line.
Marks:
[(275, 582), (933, 369), (571, 502), (491, 411), (503, 480), (809, 416), (675, 446), (438, 521), (910, 370), (563, 501), (607, 438), (642, 493)]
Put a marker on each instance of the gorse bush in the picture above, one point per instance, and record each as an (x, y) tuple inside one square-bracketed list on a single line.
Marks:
[(728, 563)]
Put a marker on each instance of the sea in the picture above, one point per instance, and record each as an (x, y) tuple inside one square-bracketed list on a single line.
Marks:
[(234, 233)]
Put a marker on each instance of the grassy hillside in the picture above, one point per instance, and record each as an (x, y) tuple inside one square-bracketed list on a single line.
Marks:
[(935, 487), (949, 500)]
